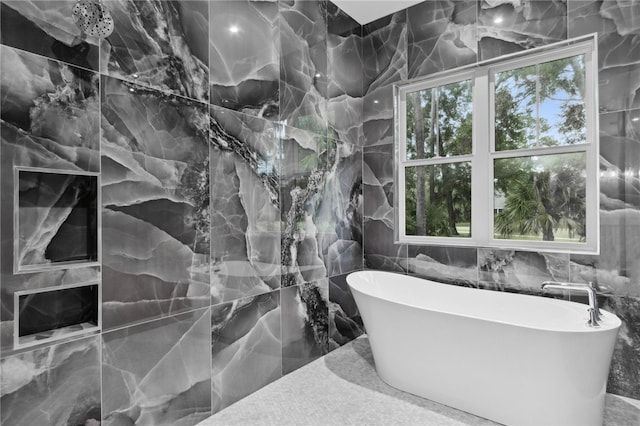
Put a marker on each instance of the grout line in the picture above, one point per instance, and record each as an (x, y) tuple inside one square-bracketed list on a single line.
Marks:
[(148, 321)]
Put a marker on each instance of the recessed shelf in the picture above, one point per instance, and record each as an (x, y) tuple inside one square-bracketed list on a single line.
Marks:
[(55, 313), (56, 219)]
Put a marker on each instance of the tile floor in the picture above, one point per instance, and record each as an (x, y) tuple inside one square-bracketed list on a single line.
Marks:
[(343, 388)]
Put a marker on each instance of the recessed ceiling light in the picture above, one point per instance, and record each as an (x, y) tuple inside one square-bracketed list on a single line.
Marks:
[(497, 20), (376, 101), (635, 119), (234, 29)]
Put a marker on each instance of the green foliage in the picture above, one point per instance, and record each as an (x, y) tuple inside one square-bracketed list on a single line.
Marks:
[(541, 197)]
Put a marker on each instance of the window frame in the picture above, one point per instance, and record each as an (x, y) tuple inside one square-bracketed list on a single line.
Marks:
[(483, 152)]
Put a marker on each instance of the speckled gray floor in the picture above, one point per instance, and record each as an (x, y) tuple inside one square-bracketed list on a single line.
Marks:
[(343, 388)]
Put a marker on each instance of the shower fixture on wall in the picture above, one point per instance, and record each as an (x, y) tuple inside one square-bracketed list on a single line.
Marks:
[(93, 18)]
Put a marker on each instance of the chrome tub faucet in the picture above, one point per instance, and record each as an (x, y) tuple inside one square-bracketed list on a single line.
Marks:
[(594, 310)]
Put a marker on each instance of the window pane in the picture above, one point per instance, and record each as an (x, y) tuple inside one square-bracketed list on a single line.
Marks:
[(515, 108), (541, 105), (561, 109), (540, 198), (438, 200), (439, 121)]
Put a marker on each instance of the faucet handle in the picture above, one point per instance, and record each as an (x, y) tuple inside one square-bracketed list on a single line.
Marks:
[(596, 307)]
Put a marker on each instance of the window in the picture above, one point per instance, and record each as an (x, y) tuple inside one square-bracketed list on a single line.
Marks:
[(503, 153)]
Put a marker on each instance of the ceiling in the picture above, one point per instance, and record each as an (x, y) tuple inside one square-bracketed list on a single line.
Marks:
[(365, 11)]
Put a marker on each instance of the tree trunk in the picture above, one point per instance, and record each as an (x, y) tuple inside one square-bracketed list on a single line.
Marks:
[(418, 124), (433, 122)]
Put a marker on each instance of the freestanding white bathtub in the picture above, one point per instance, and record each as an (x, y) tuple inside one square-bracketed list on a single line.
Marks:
[(511, 358)]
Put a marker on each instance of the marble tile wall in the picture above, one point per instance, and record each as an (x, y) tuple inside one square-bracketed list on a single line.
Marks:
[(226, 137), (438, 35)]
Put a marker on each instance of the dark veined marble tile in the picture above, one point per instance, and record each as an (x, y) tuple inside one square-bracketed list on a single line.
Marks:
[(46, 27), (384, 50), (339, 215), (33, 281), (56, 385), (441, 35), (322, 207), (380, 251), (170, 384), (378, 120), (155, 197), (618, 31), (245, 206), (345, 322), (451, 265), (344, 65), (306, 165), (50, 114), (520, 271), (246, 347), (303, 64), (384, 45), (160, 44), (620, 160), (305, 323), (507, 26), (624, 374), (244, 46), (615, 270)]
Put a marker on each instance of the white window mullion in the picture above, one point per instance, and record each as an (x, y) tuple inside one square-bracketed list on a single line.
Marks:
[(481, 167)]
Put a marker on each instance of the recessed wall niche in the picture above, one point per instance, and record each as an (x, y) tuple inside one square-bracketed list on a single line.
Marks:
[(55, 219), (56, 312)]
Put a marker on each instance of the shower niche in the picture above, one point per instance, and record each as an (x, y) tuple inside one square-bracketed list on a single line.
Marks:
[(55, 313), (56, 219), (56, 233)]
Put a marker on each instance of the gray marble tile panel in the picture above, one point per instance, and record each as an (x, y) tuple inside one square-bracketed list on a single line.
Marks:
[(50, 113), (615, 270), (384, 46), (441, 35), (507, 26), (160, 44), (303, 64), (245, 206), (56, 385), (244, 47), (344, 68), (620, 160), (624, 373), (520, 271), (322, 207), (618, 47), (378, 188), (305, 323), (306, 166), (246, 347), (345, 322), (378, 121), (159, 372), (451, 265), (384, 49), (46, 27), (155, 198)]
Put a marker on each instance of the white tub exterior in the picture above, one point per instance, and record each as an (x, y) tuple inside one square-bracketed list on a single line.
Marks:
[(511, 358)]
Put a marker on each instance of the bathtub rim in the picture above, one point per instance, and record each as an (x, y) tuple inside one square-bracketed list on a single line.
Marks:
[(611, 322)]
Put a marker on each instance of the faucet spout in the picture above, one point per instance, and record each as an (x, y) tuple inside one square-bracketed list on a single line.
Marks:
[(594, 310)]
